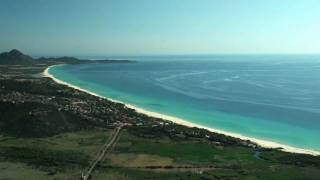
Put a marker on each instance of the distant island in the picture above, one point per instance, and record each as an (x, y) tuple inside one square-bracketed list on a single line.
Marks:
[(52, 131)]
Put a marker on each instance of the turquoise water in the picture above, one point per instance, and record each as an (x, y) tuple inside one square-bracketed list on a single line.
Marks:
[(274, 98)]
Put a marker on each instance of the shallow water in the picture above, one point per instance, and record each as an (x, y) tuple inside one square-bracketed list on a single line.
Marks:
[(274, 98)]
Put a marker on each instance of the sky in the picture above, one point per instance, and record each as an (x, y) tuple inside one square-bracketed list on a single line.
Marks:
[(155, 27)]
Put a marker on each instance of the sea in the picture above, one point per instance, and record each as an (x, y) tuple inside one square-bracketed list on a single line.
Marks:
[(269, 97)]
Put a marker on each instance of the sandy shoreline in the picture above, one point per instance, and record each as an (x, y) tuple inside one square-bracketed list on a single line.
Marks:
[(264, 143)]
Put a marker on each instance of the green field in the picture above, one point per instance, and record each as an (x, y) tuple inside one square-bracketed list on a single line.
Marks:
[(64, 156)]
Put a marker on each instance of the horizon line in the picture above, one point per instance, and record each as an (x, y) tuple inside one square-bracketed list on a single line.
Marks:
[(173, 54)]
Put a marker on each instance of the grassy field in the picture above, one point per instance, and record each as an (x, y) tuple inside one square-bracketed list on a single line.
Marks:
[(64, 156)]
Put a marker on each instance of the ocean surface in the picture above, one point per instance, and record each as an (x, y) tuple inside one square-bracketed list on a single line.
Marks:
[(271, 97)]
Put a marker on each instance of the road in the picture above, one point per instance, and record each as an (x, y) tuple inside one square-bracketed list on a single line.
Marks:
[(106, 147)]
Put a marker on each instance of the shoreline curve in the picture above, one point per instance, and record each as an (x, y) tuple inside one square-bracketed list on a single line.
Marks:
[(263, 143)]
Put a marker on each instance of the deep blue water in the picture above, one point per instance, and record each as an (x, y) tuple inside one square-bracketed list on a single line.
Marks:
[(274, 97)]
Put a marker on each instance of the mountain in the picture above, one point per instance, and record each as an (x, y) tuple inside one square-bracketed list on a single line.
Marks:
[(15, 57), (73, 60)]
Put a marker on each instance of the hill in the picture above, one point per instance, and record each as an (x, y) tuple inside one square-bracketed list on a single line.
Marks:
[(15, 57), (73, 60)]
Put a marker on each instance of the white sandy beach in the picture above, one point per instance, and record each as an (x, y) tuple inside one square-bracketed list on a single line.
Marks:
[(263, 143)]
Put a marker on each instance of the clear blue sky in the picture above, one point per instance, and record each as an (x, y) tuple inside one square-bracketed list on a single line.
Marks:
[(129, 27)]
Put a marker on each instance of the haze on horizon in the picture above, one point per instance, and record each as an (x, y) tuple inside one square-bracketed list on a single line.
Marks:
[(142, 27)]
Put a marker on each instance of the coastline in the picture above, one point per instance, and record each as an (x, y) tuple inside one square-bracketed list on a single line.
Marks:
[(263, 143)]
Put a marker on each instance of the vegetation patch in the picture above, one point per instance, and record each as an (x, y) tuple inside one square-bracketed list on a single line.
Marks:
[(44, 159)]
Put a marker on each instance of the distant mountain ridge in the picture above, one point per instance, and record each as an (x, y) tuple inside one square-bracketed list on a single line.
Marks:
[(15, 57)]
